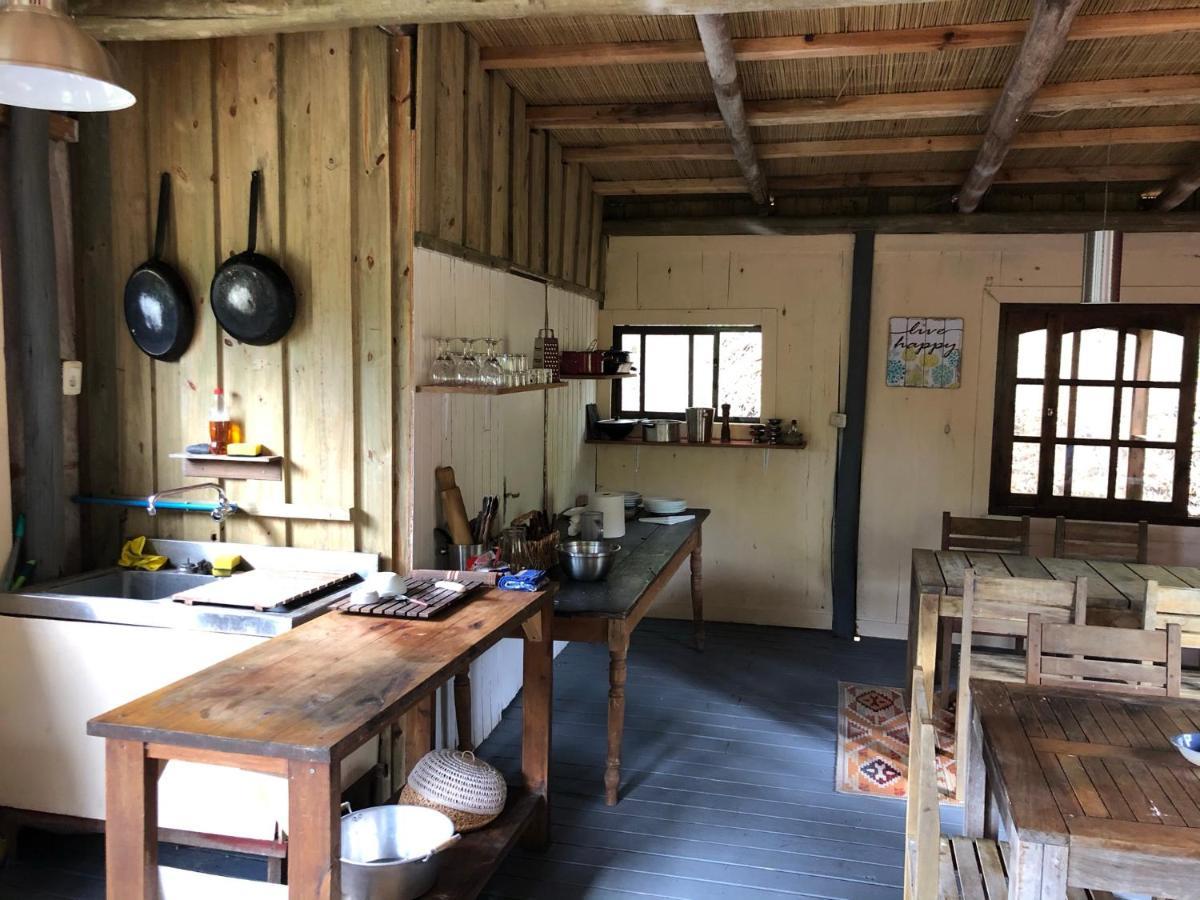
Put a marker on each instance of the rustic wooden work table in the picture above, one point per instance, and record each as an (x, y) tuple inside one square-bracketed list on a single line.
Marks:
[(1089, 788), (607, 612), (937, 584), (296, 706)]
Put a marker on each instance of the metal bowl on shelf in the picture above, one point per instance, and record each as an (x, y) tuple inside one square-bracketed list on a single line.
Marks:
[(587, 560), (616, 429)]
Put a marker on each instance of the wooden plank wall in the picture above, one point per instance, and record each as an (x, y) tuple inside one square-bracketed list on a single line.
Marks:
[(312, 111), (488, 182)]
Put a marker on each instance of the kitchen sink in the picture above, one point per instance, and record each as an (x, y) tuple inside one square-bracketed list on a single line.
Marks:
[(134, 585)]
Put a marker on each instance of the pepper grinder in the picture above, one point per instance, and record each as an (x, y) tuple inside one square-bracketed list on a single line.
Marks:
[(726, 435)]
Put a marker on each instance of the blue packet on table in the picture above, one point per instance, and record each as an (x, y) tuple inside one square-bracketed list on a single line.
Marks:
[(525, 580)]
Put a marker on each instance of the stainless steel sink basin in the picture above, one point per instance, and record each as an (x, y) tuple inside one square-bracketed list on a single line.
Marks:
[(131, 585)]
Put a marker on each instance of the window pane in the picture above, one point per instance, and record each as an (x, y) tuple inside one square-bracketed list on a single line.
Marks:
[(1064, 356), (1131, 343), (666, 373), (740, 377), (702, 369), (1097, 353), (1159, 478), (1162, 415), (631, 388), (1080, 471), (1166, 355), (1031, 354), (1092, 415), (1025, 459), (1027, 410)]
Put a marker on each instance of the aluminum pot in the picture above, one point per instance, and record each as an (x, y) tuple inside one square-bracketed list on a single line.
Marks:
[(699, 424), (391, 852), (662, 431), (587, 560)]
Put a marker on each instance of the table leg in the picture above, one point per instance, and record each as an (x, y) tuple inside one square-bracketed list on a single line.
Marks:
[(462, 709), (618, 651), (1036, 871), (131, 829), (536, 713), (925, 649), (698, 593), (975, 801), (418, 732), (314, 831)]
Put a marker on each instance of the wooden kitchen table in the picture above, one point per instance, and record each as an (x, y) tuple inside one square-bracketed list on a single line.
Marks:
[(608, 611), (937, 583), (1088, 787), (297, 706)]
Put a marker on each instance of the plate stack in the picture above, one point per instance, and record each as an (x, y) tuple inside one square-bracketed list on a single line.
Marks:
[(633, 502), (665, 506)]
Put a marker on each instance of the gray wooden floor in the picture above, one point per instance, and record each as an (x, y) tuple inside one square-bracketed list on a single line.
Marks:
[(727, 791)]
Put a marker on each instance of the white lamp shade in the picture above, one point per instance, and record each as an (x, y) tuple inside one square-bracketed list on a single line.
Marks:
[(47, 62)]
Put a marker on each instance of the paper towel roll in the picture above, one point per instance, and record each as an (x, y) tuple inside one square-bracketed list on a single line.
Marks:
[(612, 507)]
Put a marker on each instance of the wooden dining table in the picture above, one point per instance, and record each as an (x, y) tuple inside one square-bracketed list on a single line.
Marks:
[(1088, 787), (937, 584)]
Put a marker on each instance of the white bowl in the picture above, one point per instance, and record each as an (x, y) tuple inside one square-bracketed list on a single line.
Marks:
[(385, 584), (1188, 744)]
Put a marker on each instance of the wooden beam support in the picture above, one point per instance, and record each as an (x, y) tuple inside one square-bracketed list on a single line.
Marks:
[(1115, 93), (866, 180), (953, 143), (924, 223), (1180, 188), (1043, 44), (62, 128), (936, 39), (722, 67), (162, 20)]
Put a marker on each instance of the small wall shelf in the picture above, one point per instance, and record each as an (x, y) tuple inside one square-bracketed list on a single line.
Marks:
[(246, 468), (713, 444), (484, 391), (613, 377)]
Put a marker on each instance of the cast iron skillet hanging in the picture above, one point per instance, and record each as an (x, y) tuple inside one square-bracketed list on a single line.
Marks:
[(158, 309), (252, 297)]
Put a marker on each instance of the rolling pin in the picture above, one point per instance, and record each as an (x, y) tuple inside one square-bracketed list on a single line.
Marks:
[(455, 512), (444, 475)]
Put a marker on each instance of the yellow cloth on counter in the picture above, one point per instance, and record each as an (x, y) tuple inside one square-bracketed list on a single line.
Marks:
[(224, 565), (133, 556)]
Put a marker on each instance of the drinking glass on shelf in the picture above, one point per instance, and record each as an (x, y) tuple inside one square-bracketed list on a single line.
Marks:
[(467, 365), (442, 371), (521, 369), (493, 375)]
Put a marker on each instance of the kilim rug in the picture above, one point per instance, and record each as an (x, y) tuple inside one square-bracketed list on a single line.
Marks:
[(872, 751)]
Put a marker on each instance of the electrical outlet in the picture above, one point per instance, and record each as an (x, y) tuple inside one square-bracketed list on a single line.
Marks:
[(837, 419), (72, 377)]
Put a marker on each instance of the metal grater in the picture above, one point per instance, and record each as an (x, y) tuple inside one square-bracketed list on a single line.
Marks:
[(545, 352)]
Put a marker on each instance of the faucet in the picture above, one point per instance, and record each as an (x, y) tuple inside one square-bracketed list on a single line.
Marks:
[(223, 510)]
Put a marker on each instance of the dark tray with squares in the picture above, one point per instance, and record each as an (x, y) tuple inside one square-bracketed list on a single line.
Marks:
[(423, 600)]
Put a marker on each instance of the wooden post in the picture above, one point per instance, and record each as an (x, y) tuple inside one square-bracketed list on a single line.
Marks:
[(462, 709), (1044, 42), (418, 733), (314, 832), (536, 714), (1181, 187), (618, 651), (722, 66), (131, 811), (697, 563)]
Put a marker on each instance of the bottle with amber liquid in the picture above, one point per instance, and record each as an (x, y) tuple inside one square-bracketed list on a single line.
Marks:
[(219, 425)]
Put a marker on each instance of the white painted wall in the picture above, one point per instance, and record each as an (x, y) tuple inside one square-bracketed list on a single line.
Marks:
[(527, 444)]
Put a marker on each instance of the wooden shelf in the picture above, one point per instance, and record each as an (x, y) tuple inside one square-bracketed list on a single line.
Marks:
[(466, 867), (246, 468), (599, 377), (483, 391), (713, 444)]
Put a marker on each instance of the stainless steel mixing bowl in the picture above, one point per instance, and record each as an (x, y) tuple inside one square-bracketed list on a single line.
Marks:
[(587, 560)]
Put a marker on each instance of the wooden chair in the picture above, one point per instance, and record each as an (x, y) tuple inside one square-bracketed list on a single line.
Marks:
[(979, 535), (1002, 606), (1166, 605), (1115, 541), (1121, 660)]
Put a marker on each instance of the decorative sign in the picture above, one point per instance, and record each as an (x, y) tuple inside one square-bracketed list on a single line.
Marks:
[(925, 353)]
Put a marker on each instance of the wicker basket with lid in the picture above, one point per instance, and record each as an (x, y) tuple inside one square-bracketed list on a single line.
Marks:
[(468, 790)]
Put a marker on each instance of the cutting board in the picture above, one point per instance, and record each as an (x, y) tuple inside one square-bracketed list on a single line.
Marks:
[(263, 588)]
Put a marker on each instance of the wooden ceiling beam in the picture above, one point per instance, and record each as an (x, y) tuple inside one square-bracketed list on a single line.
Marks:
[(1160, 90), (953, 143), (863, 180), (1180, 188), (161, 20), (1043, 45), (827, 46), (722, 68)]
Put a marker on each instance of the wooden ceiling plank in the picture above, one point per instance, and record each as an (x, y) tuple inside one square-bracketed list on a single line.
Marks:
[(953, 143), (861, 180), (934, 39), (1116, 93), (1179, 189), (140, 20), (1043, 45), (722, 68)]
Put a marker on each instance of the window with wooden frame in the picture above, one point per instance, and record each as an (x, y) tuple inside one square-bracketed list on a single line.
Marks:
[(690, 365), (1095, 412)]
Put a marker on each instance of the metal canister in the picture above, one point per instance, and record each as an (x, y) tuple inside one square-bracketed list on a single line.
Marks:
[(699, 424), (545, 352)]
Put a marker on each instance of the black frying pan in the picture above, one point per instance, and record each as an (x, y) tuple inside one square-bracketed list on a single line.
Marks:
[(252, 297), (158, 308)]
